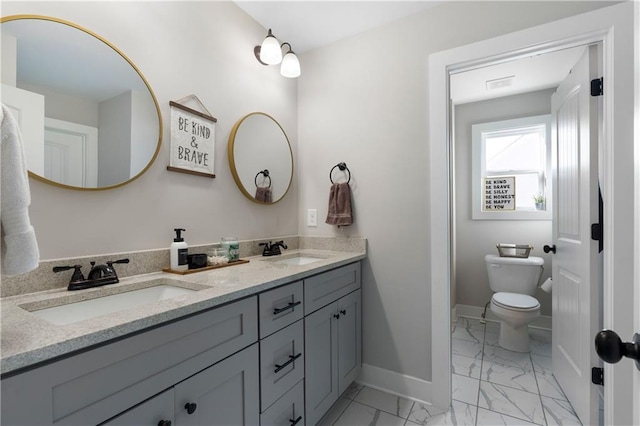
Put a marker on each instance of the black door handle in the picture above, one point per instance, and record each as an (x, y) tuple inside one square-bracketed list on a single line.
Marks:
[(291, 305), (190, 407), (548, 249), (611, 349), (289, 361)]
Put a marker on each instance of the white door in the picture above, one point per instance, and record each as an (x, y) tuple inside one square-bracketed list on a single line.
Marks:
[(575, 265), (70, 153)]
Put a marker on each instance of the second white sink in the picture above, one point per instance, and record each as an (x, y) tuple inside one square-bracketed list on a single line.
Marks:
[(299, 260), (295, 259), (85, 309)]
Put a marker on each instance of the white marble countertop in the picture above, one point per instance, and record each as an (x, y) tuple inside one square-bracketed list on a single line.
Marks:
[(26, 340)]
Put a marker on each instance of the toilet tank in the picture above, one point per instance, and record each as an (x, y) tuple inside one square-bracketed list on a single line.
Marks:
[(513, 274)]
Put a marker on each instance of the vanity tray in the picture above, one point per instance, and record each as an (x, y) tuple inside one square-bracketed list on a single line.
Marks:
[(206, 268)]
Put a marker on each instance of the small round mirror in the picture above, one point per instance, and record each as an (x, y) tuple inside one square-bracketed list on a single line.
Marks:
[(260, 158), (88, 118)]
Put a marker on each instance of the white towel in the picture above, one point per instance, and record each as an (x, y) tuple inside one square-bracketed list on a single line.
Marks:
[(19, 246)]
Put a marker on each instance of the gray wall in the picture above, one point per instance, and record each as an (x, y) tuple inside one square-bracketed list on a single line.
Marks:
[(364, 101), (114, 140), (475, 238)]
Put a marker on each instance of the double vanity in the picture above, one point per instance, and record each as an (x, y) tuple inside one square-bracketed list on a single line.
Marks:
[(274, 341)]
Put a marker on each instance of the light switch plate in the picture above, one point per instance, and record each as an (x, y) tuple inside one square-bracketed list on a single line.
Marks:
[(312, 217)]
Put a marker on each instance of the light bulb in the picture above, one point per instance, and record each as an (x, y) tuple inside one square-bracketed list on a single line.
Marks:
[(290, 67), (270, 52)]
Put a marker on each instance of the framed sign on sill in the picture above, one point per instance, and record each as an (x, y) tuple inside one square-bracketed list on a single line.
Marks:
[(499, 193), (192, 139)]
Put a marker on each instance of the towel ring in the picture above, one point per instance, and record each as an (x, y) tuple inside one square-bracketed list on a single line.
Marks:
[(342, 166), (264, 172)]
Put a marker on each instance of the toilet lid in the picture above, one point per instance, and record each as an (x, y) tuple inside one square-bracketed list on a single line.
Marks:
[(515, 301)]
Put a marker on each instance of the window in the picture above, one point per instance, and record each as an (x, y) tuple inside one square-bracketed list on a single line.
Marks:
[(517, 155)]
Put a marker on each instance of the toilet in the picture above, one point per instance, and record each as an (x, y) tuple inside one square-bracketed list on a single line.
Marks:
[(514, 281)]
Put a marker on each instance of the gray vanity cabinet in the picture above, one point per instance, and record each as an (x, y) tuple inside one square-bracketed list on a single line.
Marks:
[(94, 386), (333, 345)]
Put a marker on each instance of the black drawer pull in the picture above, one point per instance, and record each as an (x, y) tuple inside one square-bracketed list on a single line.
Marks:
[(343, 312), (291, 359), (164, 423), (296, 421), (291, 305)]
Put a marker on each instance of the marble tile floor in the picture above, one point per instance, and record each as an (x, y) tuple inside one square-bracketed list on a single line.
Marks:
[(490, 386)]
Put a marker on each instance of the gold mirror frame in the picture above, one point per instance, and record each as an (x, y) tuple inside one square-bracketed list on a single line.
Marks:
[(135, 68), (233, 160)]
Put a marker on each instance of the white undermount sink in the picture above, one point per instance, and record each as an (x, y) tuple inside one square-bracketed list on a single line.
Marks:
[(71, 312)]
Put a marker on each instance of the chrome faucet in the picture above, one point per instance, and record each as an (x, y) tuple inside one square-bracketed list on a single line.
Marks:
[(98, 275), (272, 249)]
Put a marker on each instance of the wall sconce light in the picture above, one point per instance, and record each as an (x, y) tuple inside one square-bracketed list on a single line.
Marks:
[(270, 53)]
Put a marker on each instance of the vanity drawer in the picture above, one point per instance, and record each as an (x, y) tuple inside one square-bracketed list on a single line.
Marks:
[(288, 410), (93, 386), (281, 363), (280, 307), (322, 289)]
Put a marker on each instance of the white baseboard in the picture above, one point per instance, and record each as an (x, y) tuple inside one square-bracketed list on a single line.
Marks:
[(395, 383), (543, 321)]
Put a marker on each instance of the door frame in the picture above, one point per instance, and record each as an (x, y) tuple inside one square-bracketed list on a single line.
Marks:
[(606, 25)]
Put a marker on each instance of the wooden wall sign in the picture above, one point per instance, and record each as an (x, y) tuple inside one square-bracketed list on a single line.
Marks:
[(499, 193), (192, 141)]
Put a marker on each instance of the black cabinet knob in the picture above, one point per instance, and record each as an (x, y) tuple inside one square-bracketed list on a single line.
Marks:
[(611, 349), (548, 249), (343, 312), (164, 423), (190, 407), (336, 316)]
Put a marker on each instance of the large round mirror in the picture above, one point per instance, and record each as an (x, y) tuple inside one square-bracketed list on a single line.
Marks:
[(88, 118), (260, 158)]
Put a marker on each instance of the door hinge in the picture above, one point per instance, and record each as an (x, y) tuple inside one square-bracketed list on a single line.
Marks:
[(596, 232), (597, 376), (596, 87)]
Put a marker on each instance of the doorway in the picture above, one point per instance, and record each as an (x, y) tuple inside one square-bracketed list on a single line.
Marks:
[(483, 372), (583, 29)]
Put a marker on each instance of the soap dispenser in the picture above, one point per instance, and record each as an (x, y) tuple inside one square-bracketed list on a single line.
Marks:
[(178, 252)]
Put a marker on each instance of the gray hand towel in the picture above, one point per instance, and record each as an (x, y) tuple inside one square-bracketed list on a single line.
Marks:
[(263, 195), (339, 212)]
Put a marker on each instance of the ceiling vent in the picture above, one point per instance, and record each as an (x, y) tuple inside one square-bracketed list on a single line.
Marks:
[(499, 83)]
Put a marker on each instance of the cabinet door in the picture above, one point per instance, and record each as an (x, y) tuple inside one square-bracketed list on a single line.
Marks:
[(349, 340), (321, 367), (156, 411), (223, 394)]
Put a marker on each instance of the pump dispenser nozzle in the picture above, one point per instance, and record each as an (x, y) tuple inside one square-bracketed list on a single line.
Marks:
[(178, 237)]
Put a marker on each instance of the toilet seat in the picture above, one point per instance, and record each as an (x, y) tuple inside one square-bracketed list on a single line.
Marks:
[(515, 302)]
